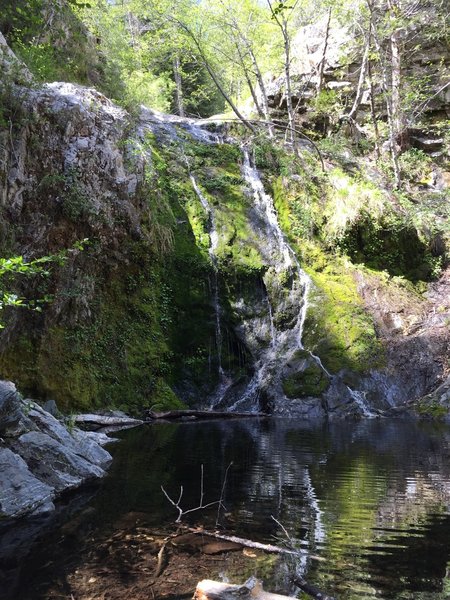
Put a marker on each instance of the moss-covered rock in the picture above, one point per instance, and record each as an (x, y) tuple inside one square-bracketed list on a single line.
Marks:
[(337, 328), (312, 381)]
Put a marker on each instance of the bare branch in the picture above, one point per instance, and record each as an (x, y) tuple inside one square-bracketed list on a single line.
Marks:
[(283, 528), (182, 512)]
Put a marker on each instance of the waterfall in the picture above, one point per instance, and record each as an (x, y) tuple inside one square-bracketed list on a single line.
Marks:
[(271, 318), (224, 381), (282, 259), (361, 402), (264, 205)]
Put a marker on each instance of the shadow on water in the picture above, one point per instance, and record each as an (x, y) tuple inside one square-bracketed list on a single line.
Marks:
[(367, 504)]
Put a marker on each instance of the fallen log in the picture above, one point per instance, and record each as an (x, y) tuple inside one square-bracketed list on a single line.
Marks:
[(197, 414), (95, 422), (246, 543), (251, 590)]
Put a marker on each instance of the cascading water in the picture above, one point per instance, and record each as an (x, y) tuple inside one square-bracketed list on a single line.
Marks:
[(264, 205), (272, 329), (360, 401), (286, 342), (224, 381), (277, 252)]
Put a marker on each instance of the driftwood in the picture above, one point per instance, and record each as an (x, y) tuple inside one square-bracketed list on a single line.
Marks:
[(251, 590), (95, 422), (198, 414), (246, 543)]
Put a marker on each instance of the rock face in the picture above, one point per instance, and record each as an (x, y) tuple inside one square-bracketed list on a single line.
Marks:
[(416, 337), (341, 74), (436, 404), (39, 457)]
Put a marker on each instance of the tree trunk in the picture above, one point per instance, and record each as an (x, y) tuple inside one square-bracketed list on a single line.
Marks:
[(324, 54), (362, 78), (282, 23), (287, 74), (214, 76), (388, 95), (263, 110), (248, 79), (396, 108), (372, 97), (262, 88), (178, 85)]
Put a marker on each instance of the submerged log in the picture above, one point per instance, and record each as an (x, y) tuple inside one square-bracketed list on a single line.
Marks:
[(198, 414), (311, 590), (246, 543), (251, 590)]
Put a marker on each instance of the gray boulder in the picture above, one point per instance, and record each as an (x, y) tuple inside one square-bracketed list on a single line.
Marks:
[(54, 463), (10, 408), (77, 441), (40, 457), (20, 491)]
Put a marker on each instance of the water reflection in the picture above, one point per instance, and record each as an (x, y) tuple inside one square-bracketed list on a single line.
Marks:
[(367, 503)]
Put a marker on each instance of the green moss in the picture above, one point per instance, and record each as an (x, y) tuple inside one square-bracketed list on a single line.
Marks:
[(337, 327), (432, 409), (312, 381)]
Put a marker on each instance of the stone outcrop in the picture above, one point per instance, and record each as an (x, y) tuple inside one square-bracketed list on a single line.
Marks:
[(436, 404), (40, 458), (341, 74)]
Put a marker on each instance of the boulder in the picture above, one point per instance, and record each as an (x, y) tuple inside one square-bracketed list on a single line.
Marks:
[(77, 441), (40, 457), (10, 413), (20, 491), (54, 463)]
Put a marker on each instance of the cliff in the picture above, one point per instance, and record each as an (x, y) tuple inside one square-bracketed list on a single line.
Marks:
[(177, 279)]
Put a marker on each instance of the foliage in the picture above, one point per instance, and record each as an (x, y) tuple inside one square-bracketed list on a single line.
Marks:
[(416, 166), (18, 266), (350, 199), (50, 39)]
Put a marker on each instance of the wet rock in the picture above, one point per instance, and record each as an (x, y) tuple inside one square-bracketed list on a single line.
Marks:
[(10, 413), (40, 458), (79, 442), (51, 407), (306, 408), (20, 491), (436, 404), (54, 463)]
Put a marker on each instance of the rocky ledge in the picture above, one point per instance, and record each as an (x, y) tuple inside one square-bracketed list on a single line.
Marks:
[(40, 457)]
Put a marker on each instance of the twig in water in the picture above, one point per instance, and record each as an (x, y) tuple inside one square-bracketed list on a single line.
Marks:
[(311, 590), (283, 528), (182, 512), (222, 492)]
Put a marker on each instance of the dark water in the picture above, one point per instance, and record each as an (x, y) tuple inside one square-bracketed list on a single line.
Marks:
[(367, 503)]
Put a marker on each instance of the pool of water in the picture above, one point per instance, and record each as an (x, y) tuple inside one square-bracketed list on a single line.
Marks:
[(366, 504)]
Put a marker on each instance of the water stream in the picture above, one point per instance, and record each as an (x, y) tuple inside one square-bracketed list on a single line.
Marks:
[(294, 298)]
